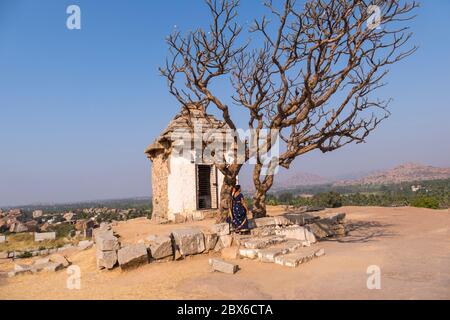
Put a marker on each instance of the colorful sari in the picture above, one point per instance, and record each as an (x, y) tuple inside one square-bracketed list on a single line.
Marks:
[(238, 213)]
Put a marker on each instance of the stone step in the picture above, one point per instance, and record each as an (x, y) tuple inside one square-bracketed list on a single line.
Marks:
[(269, 254), (299, 256), (263, 242)]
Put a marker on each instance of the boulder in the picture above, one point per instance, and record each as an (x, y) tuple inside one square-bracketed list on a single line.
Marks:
[(160, 247), (107, 242), (106, 259), (223, 266), (221, 229), (59, 258), (132, 256), (189, 241)]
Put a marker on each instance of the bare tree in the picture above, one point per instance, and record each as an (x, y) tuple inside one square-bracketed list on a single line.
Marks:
[(315, 75), (311, 75), (198, 59)]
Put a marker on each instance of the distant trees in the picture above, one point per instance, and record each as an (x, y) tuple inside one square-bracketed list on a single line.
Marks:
[(425, 202)]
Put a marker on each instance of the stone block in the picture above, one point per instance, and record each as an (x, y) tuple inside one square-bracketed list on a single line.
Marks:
[(106, 259), (223, 266), (248, 253), (160, 247), (263, 242), (4, 255), (293, 260), (221, 229), (132, 256), (293, 232), (107, 242), (189, 241), (210, 240), (59, 258), (2, 239), (105, 231)]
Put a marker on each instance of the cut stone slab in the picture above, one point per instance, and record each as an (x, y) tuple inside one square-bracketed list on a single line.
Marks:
[(295, 218), (105, 231), (160, 247), (248, 253), (189, 241), (282, 221), (223, 266), (132, 256), (221, 229), (261, 243), (59, 258), (261, 222), (293, 232), (293, 260), (106, 259), (107, 242), (49, 267), (269, 254), (210, 240)]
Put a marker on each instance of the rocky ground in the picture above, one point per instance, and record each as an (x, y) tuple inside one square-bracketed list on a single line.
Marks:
[(410, 245)]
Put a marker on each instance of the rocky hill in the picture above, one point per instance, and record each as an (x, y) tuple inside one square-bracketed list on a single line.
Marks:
[(403, 173)]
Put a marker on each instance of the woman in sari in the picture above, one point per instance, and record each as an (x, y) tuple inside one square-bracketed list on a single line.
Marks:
[(239, 210)]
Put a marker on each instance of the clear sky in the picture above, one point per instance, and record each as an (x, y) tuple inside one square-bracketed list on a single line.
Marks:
[(78, 107)]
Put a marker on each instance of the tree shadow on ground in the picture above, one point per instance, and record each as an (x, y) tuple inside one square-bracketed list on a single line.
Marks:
[(365, 231)]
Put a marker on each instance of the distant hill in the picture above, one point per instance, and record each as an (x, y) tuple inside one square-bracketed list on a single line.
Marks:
[(404, 173), (289, 180)]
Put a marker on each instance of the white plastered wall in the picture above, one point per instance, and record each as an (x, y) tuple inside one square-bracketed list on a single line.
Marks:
[(182, 194)]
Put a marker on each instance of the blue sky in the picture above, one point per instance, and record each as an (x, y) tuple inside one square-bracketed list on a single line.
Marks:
[(78, 107)]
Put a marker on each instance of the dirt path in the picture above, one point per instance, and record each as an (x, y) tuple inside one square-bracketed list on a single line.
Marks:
[(410, 245)]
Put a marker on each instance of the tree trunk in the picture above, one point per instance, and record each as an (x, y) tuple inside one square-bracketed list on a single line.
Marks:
[(259, 198), (259, 204), (230, 180)]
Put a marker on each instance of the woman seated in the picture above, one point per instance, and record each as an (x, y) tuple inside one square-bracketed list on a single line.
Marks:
[(238, 210)]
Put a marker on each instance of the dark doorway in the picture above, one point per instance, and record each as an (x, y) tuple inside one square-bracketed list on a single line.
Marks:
[(203, 187)]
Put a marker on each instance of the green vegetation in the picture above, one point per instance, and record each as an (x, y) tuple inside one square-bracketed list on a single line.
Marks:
[(25, 242), (432, 194), (425, 202)]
